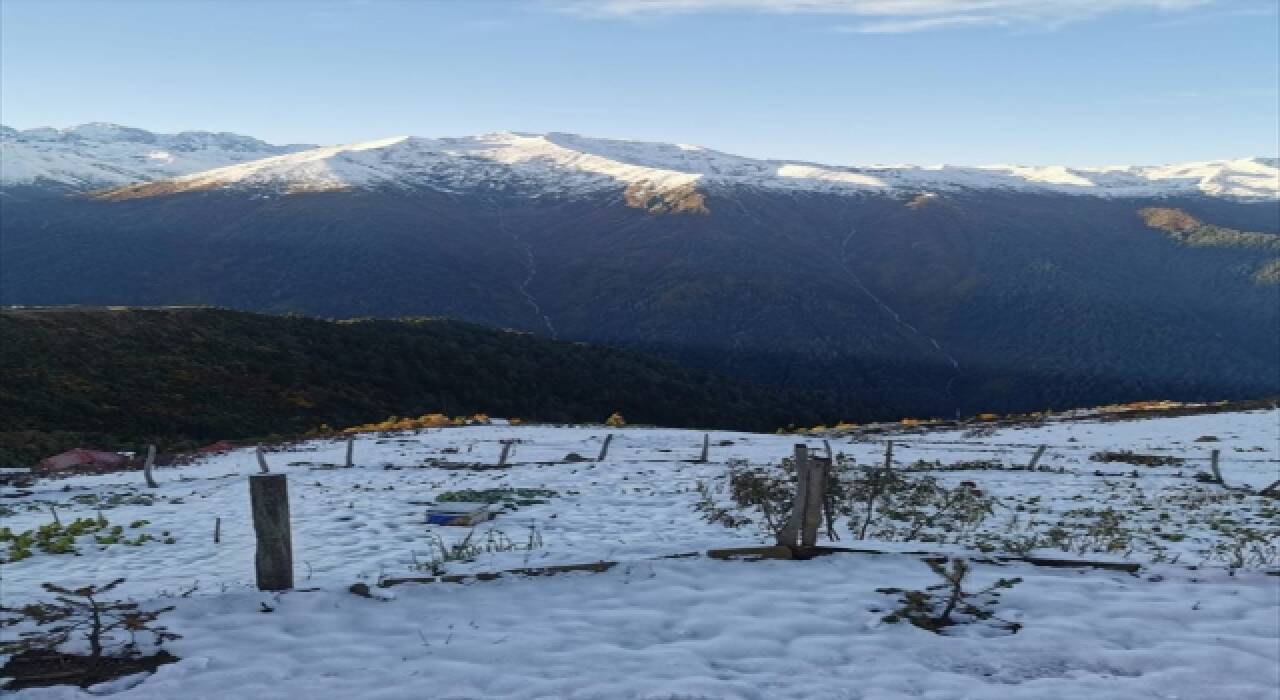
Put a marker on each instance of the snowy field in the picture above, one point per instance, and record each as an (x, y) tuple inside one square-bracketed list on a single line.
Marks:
[(1201, 619)]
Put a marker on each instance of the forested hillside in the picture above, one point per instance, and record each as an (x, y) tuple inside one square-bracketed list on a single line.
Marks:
[(119, 378), (902, 304)]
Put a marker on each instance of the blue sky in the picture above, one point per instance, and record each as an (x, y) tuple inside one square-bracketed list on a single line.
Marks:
[(1083, 82)]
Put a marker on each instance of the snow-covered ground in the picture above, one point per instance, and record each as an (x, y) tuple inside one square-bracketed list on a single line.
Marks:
[(1186, 626)]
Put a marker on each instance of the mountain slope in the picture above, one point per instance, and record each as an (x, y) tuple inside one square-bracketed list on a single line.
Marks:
[(170, 375), (902, 301), (566, 164)]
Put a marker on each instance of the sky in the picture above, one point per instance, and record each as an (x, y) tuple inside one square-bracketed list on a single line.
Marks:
[(1079, 82)]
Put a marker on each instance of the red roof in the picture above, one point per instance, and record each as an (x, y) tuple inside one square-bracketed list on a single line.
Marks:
[(80, 457)]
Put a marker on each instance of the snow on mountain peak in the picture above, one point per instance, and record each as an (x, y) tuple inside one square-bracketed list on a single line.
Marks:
[(555, 163), (101, 154)]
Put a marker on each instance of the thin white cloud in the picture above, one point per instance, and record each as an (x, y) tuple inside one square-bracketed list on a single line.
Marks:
[(904, 26), (893, 16)]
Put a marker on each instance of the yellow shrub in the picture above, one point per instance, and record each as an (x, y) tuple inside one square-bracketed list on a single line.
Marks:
[(616, 420), (434, 420)]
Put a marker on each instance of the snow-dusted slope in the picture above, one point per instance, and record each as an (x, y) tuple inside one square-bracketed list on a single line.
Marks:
[(569, 164), (108, 155), (553, 163)]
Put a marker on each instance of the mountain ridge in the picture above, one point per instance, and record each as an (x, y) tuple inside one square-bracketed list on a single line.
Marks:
[(557, 164)]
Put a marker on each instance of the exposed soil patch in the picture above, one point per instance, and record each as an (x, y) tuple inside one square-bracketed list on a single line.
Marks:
[(36, 668)]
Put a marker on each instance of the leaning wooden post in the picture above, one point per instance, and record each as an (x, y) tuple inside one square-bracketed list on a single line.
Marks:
[(604, 449), (816, 493), (351, 449), (1035, 459), (269, 501), (506, 450), (791, 531), (146, 467), (262, 461), (706, 447), (1213, 465)]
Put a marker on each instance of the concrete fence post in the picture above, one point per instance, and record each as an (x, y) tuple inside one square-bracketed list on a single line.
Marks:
[(269, 503)]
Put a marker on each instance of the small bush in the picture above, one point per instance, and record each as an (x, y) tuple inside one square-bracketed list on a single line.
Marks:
[(81, 610), (947, 603), (1130, 457)]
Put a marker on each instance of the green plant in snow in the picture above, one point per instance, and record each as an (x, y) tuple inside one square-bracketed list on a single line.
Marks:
[(944, 604), (1240, 547), (914, 508), (61, 538), (715, 513), (466, 550)]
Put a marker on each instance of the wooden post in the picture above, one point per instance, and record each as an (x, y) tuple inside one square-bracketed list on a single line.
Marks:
[(269, 501), (506, 450), (351, 447), (791, 531), (54, 512), (217, 530), (888, 455), (1035, 459), (819, 467), (1213, 464), (262, 461), (830, 455), (146, 467), (604, 449), (706, 447)]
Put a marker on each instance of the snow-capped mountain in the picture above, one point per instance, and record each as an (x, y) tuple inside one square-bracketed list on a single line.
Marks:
[(567, 164), (99, 155)]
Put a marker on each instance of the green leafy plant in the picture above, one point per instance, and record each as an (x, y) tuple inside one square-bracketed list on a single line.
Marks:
[(904, 508), (715, 513), (766, 491), (492, 541), (511, 498)]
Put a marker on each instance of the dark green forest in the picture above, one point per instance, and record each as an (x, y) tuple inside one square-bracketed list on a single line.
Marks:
[(183, 377), (963, 303)]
